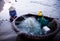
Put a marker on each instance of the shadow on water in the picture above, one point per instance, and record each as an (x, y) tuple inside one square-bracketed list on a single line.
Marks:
[(1, 5)]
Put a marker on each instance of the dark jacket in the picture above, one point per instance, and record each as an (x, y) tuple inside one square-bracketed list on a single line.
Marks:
[(12, 13)]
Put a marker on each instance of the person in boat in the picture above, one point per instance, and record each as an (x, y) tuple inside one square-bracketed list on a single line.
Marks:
[(12, 13)]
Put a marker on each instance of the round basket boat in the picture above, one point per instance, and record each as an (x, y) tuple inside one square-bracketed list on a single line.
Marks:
[(27, 37)]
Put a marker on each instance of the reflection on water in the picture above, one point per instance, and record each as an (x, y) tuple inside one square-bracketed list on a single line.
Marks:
[(1, 5)]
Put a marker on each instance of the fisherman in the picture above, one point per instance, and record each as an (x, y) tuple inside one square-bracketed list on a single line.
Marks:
[(12, 13)]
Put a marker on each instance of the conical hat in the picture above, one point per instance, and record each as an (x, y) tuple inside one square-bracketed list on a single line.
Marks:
[(11, 8)]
